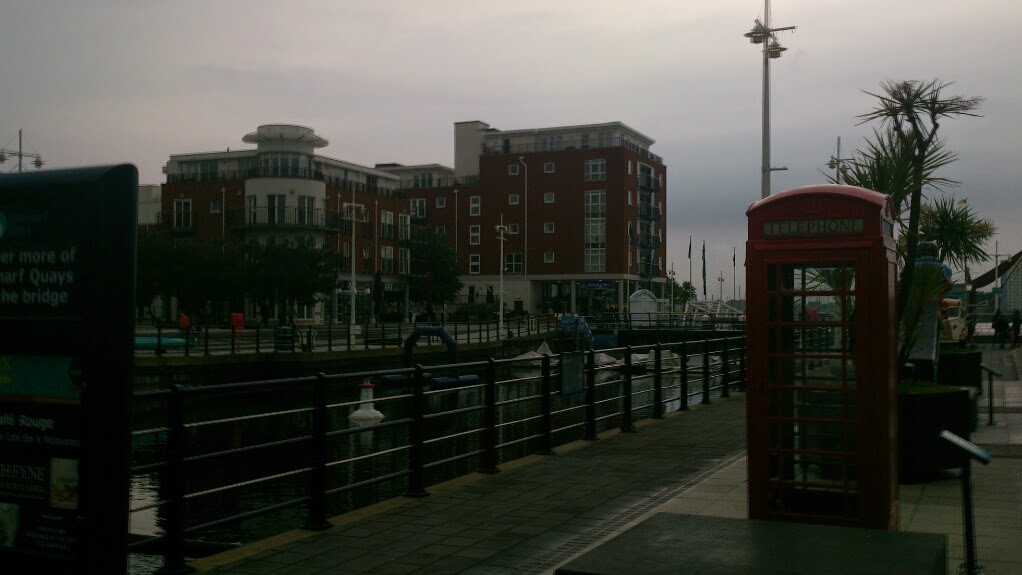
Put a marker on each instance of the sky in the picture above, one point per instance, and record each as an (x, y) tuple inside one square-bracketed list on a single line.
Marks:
[(110, 81)]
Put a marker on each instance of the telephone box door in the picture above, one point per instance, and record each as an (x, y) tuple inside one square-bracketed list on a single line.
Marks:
[(808, 423)]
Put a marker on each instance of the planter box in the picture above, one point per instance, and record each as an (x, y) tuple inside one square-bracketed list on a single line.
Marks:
[(959, 367), (923, 412)]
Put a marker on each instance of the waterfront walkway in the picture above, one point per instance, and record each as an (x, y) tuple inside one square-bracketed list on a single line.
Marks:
[(542, 511)]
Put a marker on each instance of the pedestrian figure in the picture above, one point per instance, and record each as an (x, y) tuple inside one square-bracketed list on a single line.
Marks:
[(183, 322), (237, 326), (1000, 325)]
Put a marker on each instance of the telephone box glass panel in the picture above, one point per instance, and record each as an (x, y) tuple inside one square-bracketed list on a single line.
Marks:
[(812, 401)]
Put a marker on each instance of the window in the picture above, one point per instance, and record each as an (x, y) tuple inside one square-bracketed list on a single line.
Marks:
[(629, 167), (595, 170), (512, 169), (404, 228), (441, 202), (404, 261), (275, 213), (473, 235), (303, 311), (387, 225), (513, 263), (183, 214), (660, 209), (548, 227), (387, 259), (346, 259), (214, 206), (548, 198), (441, 231), (367, 261), (661, 180), (629, 197), (475, 205), (585, 141), (512, 229), (473, 263), (306, 210), (595, 232), (512, 199), (253, 212), (548, 167), (548, 257), (418, 207)]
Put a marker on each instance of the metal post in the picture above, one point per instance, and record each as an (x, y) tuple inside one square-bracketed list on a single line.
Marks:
[(626, 394), (706, 372), (188, 340), (174, 480), (684, 377), (725, 369), (308, 339), (316, 520), (257, 339), (741, 365), (329, 337), (658, 384), (990, 398), (415, 437), (590, 427), (489, 460), (546, 423), (234, 341), (159, 340), (970, 567)]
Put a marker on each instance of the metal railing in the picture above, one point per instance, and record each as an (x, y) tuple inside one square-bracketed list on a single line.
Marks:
[(491, 148), (212, 447)]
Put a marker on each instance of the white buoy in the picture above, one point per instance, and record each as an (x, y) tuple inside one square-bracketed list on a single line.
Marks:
[(366, 414)]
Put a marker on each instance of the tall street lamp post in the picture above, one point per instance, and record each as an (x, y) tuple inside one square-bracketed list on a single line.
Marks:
[(501, 229), (837, 163), (21, 155), (349, 208), (762, 33), (525, 259)]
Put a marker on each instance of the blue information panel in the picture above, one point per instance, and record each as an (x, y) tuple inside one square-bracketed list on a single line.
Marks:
[(66, 306)]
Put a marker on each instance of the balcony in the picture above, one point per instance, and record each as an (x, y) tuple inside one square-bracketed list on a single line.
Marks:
[(441, 183), (228, 175), (572, 144), (648, 212), (648, 241), (648, 183), (296, 218)]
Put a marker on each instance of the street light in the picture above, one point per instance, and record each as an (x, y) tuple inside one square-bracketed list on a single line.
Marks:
[(762, 33), (501, 229), (38, 162), (720, 278), (837, 163), (349, 208)]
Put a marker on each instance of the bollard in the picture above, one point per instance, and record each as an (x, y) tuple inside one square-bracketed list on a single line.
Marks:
[(174, 482), (658, 383), (590, 428), (415, 437)]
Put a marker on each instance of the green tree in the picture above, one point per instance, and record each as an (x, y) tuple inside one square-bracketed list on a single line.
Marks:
[(435, 273), (285, 273), (679, 295), (958, 232), (912, 112)]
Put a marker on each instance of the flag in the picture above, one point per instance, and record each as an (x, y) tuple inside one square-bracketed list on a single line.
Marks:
[(734, 251), (690, 247), (704, 269)]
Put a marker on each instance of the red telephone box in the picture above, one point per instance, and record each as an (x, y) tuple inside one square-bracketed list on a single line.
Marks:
[(820, 327)]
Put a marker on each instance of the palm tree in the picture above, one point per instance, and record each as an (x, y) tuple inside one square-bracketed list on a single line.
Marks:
[(912, 111)]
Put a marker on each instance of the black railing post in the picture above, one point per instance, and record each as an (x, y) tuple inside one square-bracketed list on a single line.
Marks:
[(725, 369), (383, 335), (741, 364), (316, 520), (990, 397), (706, 372), (308, 339), (489, 460), (188, 340), (971, 566), (349, 335), (684, 376), (159, 340), (174, 480), (365, 334), (234, 341), (590, 427), (205, 343), (658, 383), (416, 445), (546, 441), (258, 334), (626, 394), (330, 337)]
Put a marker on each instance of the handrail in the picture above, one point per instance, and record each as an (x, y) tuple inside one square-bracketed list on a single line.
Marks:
[(490, 422)]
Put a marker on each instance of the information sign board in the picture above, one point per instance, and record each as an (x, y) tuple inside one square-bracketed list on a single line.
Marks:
[(67, 269)]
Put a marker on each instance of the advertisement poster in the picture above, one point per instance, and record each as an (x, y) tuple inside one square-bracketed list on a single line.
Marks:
[(40, 449)]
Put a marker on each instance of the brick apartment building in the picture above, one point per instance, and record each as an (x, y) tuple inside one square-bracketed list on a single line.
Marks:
[(583, 208)]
